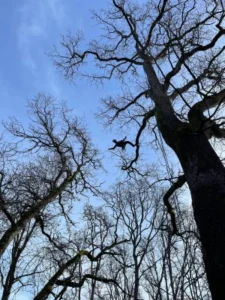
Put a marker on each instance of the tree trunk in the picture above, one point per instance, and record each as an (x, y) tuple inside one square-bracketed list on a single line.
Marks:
[(206, 179), (136, 285)]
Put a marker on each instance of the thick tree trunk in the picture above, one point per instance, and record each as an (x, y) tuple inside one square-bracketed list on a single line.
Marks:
[(205, 175), (206, 179)]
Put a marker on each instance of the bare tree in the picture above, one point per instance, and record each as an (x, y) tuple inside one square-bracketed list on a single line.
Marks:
[(89, 248), (19, 265), (43, 172), (169, 57), (101, 231), (123, 250), (135, 205), (175, 266), (59, 162), (154, 263)]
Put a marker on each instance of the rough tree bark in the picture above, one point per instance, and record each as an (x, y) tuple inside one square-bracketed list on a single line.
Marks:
[(205, 175)]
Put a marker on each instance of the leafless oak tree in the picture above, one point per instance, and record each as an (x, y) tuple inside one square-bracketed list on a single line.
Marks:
[(169, 58)]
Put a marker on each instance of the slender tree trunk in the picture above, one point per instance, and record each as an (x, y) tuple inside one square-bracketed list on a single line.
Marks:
[(10, 233), (206, 179), (136, 285)]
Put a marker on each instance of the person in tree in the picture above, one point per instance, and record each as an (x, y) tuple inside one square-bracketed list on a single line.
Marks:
[(121, 144)]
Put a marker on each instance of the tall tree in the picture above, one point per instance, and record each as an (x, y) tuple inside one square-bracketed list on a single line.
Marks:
[(136, 206), (51, 161), (169, 57)]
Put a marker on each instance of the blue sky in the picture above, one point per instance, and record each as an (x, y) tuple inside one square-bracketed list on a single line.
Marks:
[(29, 29)]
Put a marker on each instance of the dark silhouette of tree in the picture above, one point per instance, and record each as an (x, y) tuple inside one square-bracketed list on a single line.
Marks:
[(121, 250), (135, 205), (154, 263), (169, 57), (46, 163)]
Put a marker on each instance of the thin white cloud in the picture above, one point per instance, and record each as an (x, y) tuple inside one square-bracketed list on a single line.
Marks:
[(25, 32), (36, 18), (40, 24), (58, 12), (52, 83), (32, 25)]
